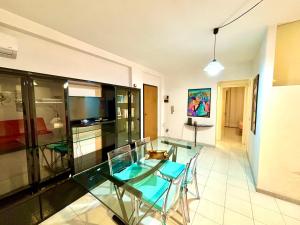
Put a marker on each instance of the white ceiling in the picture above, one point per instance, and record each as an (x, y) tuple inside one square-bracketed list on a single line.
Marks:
[(171, 36)]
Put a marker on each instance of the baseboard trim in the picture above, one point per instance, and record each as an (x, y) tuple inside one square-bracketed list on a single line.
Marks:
[(282, 197)]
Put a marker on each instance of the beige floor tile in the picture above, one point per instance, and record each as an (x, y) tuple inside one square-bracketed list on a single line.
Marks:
[(289, 209), (84, 204), (214, 195), (291, 221), (266, 216), (239, 206), (264, 201), (258, 223), (219, 185), (211, 211), (201, 220), (233, 218), (238, 192), (237, 182), (65, 216), (98, 215)]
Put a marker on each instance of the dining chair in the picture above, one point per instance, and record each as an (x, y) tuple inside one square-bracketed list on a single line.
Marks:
[(161, 194), (171, 170), (116, 163), (190, 178), (144, 142)]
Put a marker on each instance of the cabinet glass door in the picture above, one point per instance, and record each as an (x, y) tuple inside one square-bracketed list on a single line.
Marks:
[(135, 115), (122, 97), (50, 124), (13, 148)]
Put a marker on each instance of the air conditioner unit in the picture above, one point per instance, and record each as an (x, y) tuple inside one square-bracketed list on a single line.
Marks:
[(8, 46)]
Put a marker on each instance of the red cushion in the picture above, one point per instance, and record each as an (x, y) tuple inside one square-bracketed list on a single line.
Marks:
[(12, 130)]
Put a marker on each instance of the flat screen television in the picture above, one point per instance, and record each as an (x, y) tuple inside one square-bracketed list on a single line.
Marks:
[(84, 108)]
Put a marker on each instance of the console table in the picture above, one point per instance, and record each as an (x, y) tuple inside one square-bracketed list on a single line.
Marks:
[(196, 126)]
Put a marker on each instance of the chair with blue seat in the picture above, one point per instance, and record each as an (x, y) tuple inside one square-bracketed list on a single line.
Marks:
[(171, 170), (161, 194)]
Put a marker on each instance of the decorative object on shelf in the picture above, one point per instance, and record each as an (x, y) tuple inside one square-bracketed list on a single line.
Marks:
[(155, 154), (214, 67), (254, 104), (190, 121), (56, 122), (199, 101), (166, 98)]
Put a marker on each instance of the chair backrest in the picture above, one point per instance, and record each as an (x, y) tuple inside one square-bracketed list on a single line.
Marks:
[(118, 159), (144, 142), (190, 169)]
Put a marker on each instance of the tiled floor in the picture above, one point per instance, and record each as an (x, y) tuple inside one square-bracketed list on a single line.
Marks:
[(228, 197)]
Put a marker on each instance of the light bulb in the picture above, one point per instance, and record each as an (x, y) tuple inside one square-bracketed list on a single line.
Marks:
[(214, 67)]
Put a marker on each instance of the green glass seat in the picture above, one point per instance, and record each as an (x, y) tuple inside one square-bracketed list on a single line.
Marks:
[(132, 171), (152, 188), (172, 169)]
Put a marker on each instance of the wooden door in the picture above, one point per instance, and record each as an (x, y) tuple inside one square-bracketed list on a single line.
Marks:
[(150, 111)]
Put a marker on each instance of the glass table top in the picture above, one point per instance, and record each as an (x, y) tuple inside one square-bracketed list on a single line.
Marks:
[(117, 194)]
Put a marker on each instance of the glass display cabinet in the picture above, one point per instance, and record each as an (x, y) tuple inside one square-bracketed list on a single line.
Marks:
[(50, 126), (135, 115), (14, 146), (128, 115), (122, 106)]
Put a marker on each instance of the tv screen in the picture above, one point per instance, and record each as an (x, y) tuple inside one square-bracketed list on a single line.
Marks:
[(84, 108)]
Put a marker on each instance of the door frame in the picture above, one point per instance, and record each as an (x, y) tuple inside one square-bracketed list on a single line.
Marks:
[(144, 84), (247, 108)]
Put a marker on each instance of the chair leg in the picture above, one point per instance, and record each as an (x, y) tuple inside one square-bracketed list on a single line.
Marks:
[(186, 205), (164, 218), (183, 211), (136, 209), (196, 186)]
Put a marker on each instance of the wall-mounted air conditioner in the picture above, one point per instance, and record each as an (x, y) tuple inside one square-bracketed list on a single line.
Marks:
[(8, 46)]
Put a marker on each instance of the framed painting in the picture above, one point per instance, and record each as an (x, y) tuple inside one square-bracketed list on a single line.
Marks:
[(199, 101), (254, 104)]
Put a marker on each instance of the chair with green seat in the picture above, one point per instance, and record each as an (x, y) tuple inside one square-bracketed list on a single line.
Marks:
[(171, 170), (161, 194), (61, 148), (190, 178)]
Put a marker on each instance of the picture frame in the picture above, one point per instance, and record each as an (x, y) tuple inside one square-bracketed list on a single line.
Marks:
[(199, 102), (254, 104)]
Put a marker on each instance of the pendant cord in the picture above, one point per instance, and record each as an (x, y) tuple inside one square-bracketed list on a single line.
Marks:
[(216, 30), (230, 22), (215, 46)]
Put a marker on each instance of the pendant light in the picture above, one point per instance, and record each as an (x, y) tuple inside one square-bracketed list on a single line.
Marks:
[(214, 67)]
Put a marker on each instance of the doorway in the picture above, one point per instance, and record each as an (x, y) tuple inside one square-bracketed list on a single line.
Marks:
[(150, 111), (233, 114)]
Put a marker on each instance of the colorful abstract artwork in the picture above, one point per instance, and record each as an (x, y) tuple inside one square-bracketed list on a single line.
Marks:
[(199, 102)]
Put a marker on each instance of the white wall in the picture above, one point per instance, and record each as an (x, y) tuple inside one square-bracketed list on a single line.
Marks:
[(177, 89), (45, 50), (264, 66), (279, 170), (274, 150)]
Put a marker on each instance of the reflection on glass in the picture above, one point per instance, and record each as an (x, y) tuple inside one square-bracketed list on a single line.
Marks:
[(122, 116), (51, 126), (13, 162)]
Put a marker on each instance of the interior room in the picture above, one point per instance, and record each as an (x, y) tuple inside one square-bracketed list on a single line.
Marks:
[(149, 112)]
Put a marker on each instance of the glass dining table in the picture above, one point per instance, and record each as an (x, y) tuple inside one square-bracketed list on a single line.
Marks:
[(118, 195)]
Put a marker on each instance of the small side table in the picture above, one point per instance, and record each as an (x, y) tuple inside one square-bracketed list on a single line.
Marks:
[(196, 129)]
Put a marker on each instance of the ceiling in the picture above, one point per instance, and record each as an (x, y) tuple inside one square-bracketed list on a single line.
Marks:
[(170, 36)]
